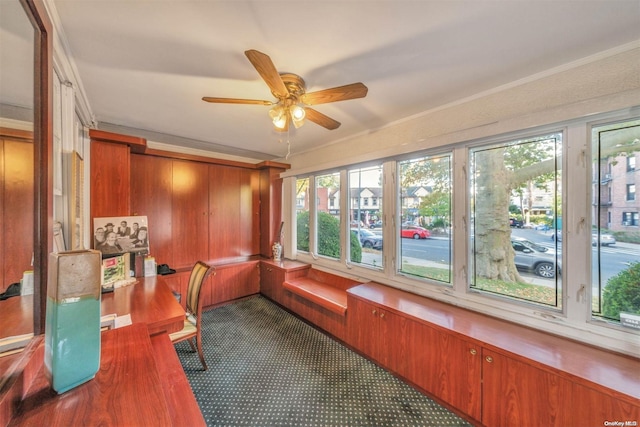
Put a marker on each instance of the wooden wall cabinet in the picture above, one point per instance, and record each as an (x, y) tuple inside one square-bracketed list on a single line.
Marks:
[(151, 195), (453, 355), (16, 205), (189, 214), (230, 282)]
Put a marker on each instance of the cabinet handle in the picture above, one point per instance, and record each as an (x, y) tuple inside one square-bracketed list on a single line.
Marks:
[(473, 351), (381, 315), (374, 312), (489, 359)]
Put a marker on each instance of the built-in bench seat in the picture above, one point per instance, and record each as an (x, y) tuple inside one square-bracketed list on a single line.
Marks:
[(324, 289)]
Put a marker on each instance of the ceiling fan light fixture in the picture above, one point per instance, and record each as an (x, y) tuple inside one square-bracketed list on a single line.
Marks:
[(297, 113), (278, 116)]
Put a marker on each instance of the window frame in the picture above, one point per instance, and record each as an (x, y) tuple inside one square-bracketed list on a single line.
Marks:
[(575, 321)]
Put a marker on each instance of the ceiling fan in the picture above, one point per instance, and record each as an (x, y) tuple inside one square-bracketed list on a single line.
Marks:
[(293, 102)]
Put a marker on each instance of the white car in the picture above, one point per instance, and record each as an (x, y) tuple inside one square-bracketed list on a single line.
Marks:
[(605, 239)]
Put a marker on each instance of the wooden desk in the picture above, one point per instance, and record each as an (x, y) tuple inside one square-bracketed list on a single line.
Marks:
[(149, 301), (135, 385)]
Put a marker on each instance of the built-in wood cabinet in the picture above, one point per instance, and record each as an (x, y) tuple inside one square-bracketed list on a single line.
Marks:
[(110, 173), (189, 214), (488, 370), (16, 205), (151, 194)]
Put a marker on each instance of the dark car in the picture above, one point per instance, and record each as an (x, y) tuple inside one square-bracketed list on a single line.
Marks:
[(367, 238), (515, 223)]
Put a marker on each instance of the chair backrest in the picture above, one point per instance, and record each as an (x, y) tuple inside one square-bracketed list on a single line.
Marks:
[(198, 275)]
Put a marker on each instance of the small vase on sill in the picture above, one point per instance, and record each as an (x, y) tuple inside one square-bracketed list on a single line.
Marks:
[(277, 251)]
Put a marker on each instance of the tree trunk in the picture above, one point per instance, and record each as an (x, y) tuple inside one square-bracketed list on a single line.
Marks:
[(493, 251)]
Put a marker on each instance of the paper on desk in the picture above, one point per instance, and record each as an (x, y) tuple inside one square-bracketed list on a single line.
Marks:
[(123, 320)]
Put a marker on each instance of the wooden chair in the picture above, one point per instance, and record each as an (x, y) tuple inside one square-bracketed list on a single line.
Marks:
[(192, 322)]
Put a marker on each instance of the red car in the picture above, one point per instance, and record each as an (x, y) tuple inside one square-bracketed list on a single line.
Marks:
[(414, 232)]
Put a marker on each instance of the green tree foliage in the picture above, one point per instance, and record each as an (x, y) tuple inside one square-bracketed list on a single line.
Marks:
[(622, 293), (328, 236)]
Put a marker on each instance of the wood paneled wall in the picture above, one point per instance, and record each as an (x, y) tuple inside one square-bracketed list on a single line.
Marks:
[(197, 208), (16, 205)]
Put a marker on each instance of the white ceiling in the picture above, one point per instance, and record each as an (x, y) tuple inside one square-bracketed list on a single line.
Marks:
[(145, 65)]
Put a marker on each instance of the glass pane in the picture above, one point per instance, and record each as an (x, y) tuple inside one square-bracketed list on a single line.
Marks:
[(615, 237), (365, 213), (425, 203), (328, 211), (516, 219), (302, 214)]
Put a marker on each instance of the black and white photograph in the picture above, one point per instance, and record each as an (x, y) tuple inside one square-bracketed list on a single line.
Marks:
[(115, 235)]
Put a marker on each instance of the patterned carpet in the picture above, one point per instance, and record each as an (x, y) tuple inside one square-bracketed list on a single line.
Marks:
[(268, 368)]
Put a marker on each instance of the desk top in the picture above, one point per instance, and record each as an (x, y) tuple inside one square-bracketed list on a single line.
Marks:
[(148, 301), (130, 388)]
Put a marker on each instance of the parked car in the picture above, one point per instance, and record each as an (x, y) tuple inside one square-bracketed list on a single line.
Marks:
[(367, 238), (376, 224), (414, 232), (605, 239), (533, 257), (516, 223)]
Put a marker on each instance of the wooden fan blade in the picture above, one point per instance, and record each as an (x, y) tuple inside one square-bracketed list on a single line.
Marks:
[(320, 119), (268, 72), (341, 93), (236, 101)]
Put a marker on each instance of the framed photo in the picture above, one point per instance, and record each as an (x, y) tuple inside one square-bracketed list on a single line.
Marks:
[(116, 235)]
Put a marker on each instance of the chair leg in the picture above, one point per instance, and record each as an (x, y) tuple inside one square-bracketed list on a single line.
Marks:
[(200, 353), (193, 348)]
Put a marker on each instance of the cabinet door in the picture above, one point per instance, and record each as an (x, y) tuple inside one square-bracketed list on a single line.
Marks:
[(235, 281), (586, 407), (189, 213), (110, 180), (518, 394), (451, 370), (16, 210), (271, 279), (363, 321), (151, 188), (233, 223)]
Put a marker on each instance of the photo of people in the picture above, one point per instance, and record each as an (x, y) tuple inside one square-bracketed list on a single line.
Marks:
[(121, 234)]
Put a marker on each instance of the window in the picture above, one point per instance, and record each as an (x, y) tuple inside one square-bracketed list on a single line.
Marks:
[(328, 212), (615, 263), (630, 219), (631, 192), (631, 162), (425, 212), (364, 182), (302, 214), (504, 197), (521, 263)]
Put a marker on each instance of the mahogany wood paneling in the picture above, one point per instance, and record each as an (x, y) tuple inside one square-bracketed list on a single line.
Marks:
[(515, 393), (232, 210), (189, 213), (151, 195), (234, 281), (16, 209), (271, 208), (591, 408), (495, 372), (110, 179)]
